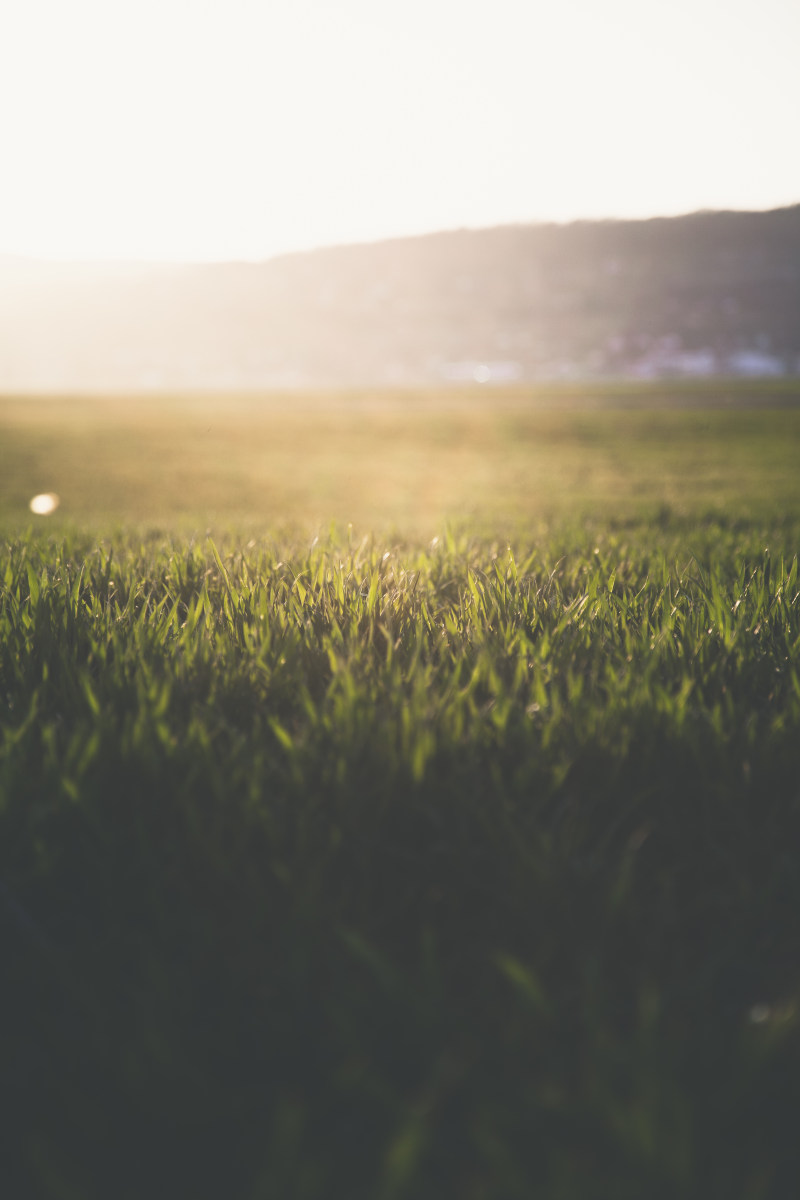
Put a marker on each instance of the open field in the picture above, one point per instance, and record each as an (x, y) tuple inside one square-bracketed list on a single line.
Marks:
[(494, 461), (452, 855)]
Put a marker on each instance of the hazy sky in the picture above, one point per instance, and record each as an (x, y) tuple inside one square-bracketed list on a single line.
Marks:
[(242, 128)]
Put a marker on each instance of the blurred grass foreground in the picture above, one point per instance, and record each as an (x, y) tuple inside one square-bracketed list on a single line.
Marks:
[(399, 795)]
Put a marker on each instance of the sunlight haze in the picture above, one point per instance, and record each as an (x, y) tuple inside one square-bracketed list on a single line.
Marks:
[(167, 130)]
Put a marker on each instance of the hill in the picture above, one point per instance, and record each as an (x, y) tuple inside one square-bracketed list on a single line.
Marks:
[(703, 294)]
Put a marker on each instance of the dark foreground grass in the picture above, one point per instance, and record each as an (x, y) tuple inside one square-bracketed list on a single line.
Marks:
[(374, 871)]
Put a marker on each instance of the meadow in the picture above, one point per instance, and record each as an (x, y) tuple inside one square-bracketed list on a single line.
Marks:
[(400, 794)]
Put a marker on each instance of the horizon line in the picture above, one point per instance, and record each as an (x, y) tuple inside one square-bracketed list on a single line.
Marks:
[(260, 259)]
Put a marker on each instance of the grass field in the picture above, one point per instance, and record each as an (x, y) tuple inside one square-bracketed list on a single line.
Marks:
[(400, 795), (494, 462)]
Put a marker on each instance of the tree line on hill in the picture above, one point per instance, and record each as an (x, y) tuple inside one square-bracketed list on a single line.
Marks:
[(711, 293)]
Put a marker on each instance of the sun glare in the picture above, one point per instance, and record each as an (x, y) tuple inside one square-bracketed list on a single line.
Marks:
[(166, 131)]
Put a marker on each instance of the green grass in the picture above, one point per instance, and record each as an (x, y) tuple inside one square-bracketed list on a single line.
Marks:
[(379, 867), (501, 463)]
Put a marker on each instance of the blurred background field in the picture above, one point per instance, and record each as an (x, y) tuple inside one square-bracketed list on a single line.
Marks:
[(497, 461)]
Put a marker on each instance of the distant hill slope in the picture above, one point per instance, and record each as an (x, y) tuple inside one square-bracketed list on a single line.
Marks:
[(709, 293)]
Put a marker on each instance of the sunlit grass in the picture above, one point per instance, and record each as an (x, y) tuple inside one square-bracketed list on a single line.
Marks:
[(377, 864), (404, 462)]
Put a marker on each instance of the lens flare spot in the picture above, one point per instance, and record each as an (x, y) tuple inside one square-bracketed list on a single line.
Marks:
[(44, 504)]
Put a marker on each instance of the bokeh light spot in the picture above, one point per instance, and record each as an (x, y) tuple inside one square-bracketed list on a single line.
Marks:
[(44, 504)]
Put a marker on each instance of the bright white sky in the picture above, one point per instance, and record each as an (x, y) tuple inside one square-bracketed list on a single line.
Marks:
[(203, 129)]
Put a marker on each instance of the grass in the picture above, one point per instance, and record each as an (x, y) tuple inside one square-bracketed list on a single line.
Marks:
[(500, 463), (383, 866)]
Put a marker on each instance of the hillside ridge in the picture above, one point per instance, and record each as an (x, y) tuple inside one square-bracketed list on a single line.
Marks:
[(708, 293)]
